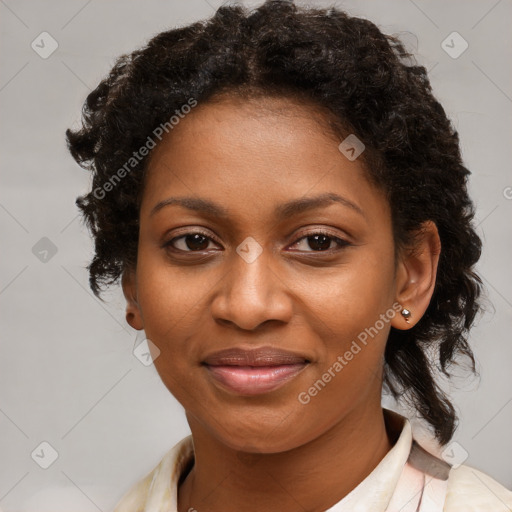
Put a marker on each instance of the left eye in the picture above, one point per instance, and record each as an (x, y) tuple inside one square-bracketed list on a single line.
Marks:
[(321, 241)]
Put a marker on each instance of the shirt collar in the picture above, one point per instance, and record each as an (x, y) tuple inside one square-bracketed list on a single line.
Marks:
[(375, 491)]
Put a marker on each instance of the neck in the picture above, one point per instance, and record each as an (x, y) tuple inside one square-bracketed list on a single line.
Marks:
[(313, 476)]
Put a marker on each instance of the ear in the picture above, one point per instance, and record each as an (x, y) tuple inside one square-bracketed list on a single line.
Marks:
[(416, 275), (133, 314)]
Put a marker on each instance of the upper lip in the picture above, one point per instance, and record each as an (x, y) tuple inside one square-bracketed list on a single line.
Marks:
[(262, 356)]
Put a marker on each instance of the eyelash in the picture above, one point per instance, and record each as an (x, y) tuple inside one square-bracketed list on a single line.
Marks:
[(341, 243)]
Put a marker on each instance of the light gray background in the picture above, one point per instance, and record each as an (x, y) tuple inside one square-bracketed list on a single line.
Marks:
[(67, 372)]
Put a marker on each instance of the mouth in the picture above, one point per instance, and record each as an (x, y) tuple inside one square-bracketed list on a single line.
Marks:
[(256, 371)]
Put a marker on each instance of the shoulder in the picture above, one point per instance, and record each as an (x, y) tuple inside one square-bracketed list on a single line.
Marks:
[(135, 499), (470, 490), (467, 489), (159, 486)]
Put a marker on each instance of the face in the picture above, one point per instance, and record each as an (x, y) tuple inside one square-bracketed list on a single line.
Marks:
[(310, 280)]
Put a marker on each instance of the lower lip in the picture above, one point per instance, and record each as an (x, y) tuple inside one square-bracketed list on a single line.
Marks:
[(254, 380)]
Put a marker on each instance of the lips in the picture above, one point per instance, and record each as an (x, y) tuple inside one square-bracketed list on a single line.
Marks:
[(264, 356), (255, 371)]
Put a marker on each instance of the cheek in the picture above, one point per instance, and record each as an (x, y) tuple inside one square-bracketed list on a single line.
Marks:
[(352, 318), (351, 312), (348, 299), (169, 296)]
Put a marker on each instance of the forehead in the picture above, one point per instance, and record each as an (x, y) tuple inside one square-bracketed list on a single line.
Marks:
[(255, 152)]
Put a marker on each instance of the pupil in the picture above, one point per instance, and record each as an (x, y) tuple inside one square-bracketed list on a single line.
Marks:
[(199, 242), (323, 245)]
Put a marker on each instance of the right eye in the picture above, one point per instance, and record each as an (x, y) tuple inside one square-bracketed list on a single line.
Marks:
[(189, 242)]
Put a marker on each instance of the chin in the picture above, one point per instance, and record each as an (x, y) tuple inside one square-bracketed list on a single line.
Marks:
[(255, 436)]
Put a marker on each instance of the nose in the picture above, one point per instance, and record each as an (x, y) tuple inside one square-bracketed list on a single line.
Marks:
[(251, 294)]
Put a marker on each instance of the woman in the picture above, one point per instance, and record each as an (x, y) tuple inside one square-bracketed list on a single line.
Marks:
[(284, 202)]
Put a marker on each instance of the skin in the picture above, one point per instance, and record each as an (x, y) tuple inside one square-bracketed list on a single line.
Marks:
[(272, 452)]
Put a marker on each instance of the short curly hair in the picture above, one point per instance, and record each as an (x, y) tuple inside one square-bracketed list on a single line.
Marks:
[(370, 84)]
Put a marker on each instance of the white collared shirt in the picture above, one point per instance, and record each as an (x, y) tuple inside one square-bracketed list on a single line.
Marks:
[(407, 479)]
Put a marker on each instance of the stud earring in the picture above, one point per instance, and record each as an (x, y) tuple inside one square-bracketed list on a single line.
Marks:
[(406, 314)]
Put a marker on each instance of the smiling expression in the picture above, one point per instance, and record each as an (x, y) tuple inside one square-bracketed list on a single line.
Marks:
[(263, 176)]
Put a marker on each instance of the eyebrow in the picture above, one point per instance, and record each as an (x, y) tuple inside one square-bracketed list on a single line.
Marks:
[(281, 212)]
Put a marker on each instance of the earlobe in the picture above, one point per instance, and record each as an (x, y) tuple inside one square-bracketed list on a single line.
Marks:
[(133, 314), (416, 276)]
